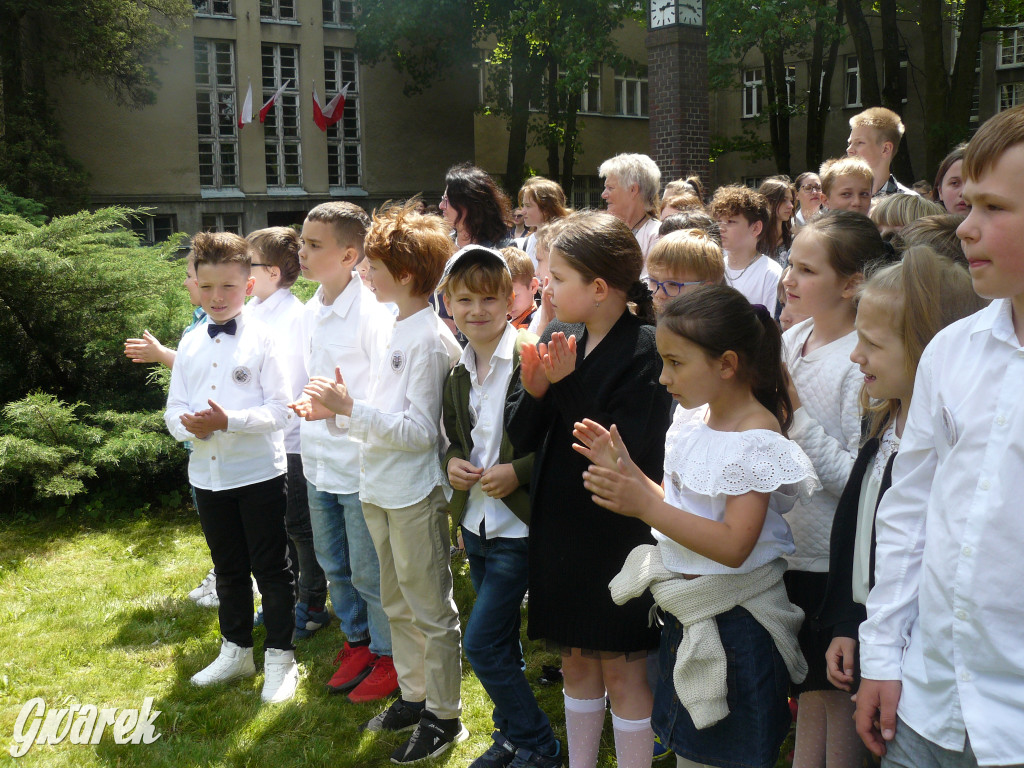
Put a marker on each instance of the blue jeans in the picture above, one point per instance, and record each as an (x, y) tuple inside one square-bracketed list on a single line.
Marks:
[(346, 554), (909, 749), (498, 570)]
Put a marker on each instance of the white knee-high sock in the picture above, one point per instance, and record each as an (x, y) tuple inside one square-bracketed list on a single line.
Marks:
[(584, 721), (634, 742)]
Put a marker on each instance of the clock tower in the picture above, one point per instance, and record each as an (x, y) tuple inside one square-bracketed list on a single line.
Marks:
[(677, 73)]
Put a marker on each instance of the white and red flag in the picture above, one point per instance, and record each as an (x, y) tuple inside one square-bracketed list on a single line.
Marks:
[(245, 116), (325, 117), (271, 101)]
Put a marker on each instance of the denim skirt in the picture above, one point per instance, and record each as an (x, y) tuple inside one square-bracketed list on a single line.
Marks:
[(758, 684)]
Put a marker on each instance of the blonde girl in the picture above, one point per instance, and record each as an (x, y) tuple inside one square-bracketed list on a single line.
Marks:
[(828, 261), (901, 308), (595, 359)]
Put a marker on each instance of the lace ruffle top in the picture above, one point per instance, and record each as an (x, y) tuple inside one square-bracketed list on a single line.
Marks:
[(704, 467)]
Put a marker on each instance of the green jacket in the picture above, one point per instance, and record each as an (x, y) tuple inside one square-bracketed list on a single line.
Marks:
[(455, 413)]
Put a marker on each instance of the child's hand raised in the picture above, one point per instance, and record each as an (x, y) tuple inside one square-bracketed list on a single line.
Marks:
[(625, 490), (595, 442), (462, 475), (333, 395), (202, 424), (148, 349), (558, 356), (531, 372)]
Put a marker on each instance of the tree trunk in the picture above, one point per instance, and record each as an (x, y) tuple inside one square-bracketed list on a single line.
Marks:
[(891, 95), (962, 84), (519, 120), (778, 108), (819, 100), (870, 96)]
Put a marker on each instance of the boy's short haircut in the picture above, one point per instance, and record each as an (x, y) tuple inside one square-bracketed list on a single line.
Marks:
[(885, 121), (350, 222), (220, 248), (519, 264), (938, 233), (692, 251), (278, 247), (837, 167), (996, 135), (738, 200), (410, 243), (902, 209), (477, 270)]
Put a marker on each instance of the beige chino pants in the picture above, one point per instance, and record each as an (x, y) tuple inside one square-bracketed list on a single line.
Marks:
[(416, 593)]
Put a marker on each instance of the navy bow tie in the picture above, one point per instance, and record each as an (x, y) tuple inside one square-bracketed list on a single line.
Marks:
[(229, 328)]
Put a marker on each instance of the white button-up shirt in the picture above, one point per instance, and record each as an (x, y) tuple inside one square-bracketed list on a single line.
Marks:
[(487, 413), (946, 613), (399, 421), (243, 374), (351, 333), (282, 312)]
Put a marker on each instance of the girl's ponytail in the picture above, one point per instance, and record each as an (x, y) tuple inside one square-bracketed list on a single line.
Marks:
[(640, 295), (769, 380)]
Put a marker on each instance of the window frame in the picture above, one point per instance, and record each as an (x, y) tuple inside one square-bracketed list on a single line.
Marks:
[(221, 142), (276, 12), (632, 86), (210, 8), (852, 72), (339, 13), (282, 131), (344, 138), (753, 92)]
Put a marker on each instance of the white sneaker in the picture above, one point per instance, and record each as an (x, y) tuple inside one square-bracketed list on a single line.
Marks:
[(211, 600), (233, 662), (206, 586), (280, 675)]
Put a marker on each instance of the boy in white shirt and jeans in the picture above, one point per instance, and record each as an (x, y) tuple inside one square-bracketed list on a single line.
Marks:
[(401, 483), (942, 675), (229, 395)]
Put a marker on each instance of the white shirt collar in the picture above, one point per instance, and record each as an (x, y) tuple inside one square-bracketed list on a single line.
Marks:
[(504, 350), (343, 303)]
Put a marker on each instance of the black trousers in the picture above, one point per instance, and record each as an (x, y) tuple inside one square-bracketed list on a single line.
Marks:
[(244, 528)]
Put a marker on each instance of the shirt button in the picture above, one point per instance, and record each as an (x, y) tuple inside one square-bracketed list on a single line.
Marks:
[(967, 551), (962, 615), (213, 386), (1000, 420), (985, 485), (965, 676), (216, 341), (214, 365), (213, 458)]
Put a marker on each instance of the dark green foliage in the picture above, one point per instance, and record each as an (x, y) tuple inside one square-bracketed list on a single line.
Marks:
[(30, 210), (78, 416)]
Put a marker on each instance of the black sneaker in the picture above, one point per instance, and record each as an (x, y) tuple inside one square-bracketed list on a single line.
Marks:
[(527, 759), (396, 718), (501, 753), (430, 739)]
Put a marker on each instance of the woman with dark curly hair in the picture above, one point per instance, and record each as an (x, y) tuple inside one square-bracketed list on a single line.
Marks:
[(475, 207)]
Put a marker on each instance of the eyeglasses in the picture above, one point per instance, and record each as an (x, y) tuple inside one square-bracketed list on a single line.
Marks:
[(517, 216), (444, 200), (669, 287), (810, 188), (257, 264)]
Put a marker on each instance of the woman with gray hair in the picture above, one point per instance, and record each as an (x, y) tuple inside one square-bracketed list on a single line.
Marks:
[(631, 186)]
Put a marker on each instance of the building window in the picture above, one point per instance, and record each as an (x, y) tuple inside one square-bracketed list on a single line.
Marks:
[(212, 7), (156, 228), (753, 92), (1010, 95), (976, 92), (904, 64), (281, 130), (586, 192), (277, 9), (753, 181), (1011, 48), (631, 94), (342, 12), (791, 85), (215, 113), (222, 222), (590, 99), (344, 161), (851, 94)]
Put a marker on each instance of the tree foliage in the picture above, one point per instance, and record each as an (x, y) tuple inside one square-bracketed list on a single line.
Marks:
[(541, 52), (111, 42)]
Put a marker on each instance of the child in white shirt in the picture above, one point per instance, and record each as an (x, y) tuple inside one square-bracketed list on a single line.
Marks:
[(229, 395), (402, 486)]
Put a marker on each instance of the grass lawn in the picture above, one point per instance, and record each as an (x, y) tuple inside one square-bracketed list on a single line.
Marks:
[(96, 613)]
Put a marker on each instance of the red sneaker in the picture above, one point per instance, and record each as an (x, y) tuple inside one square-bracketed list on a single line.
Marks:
[(381, 683), (354, 664)]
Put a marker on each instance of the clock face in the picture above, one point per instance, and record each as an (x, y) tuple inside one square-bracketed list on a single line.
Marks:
[(691, 12), (663, 13)]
